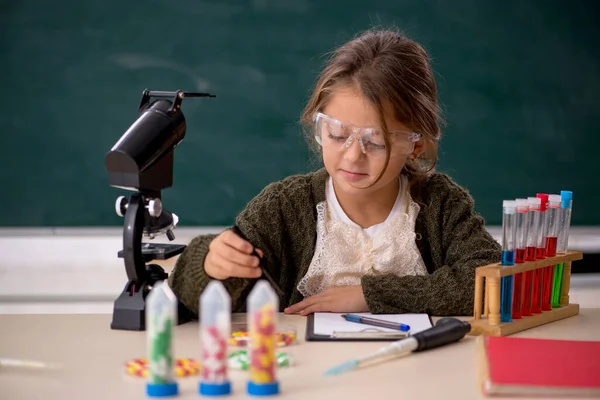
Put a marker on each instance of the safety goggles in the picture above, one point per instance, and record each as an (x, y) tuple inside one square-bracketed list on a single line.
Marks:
[(336, 135)]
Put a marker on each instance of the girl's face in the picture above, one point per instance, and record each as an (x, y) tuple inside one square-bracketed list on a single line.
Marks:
[(353, 146)]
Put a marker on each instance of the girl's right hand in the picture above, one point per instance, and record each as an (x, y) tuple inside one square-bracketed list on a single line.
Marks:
[(231, 256)]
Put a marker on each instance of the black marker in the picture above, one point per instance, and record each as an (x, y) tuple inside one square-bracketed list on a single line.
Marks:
[(266, 273)]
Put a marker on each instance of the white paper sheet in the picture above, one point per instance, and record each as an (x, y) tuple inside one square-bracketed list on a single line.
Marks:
[(328, 323)]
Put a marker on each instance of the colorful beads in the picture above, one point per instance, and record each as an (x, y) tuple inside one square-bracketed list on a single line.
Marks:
[(214, 354), (262, 345), (240, 360), (183, 367), (283, 337)]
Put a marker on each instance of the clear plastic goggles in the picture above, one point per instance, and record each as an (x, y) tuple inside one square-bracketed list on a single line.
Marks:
[(333, 134)]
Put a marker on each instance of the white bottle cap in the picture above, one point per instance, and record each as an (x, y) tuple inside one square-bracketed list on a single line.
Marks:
[(522, 204), (554, 198), (534, 201), (509, 204)]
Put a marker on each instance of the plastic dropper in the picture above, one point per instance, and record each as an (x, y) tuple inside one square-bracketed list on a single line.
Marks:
[(445, 331)]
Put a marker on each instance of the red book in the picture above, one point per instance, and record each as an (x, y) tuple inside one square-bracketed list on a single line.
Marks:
[(539, 367)]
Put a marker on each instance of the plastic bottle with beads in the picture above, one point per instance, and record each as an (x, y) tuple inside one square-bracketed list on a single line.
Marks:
[(161, 317), (262, 310), (215, 329)]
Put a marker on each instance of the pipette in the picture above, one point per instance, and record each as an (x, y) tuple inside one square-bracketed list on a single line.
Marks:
[(31, 364), (264, 269), (445, 331)]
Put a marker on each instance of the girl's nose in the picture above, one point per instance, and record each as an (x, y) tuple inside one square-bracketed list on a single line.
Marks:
[(354, 151)]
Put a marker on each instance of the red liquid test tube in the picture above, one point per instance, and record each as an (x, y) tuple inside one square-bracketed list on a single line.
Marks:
[(541, 241), (533, 237), (541, 247), (521, 246)]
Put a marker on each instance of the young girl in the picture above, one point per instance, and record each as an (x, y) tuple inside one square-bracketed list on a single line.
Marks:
[(376, 230)]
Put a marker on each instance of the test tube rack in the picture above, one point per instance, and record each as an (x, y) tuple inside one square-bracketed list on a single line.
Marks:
[(486, 319)]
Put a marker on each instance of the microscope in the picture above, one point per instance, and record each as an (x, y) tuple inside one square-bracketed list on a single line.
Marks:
[(142, 161)]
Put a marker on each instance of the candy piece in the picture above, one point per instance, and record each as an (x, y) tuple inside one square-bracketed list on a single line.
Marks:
[(240, 360), (283, 337), (183, 367)]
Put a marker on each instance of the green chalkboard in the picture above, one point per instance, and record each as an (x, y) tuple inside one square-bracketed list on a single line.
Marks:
[(519, 82)]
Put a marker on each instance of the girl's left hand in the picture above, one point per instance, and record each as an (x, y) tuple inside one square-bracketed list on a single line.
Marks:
[(334, 299)]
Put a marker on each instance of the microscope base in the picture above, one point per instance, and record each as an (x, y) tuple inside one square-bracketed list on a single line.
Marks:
[(129, 311)]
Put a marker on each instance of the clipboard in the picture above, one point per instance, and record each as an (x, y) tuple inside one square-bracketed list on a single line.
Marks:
[(364, 333)]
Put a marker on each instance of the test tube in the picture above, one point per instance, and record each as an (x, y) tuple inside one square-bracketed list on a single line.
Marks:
[(509, 236), (541, 251), (161, 317), (262, 307), (534, 232), (552, 218), (566, 206), (541, 242), (521, 247), (522, 229), (215, 329)]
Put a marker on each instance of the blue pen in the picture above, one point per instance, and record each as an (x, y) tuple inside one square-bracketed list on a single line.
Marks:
[(376, 322)]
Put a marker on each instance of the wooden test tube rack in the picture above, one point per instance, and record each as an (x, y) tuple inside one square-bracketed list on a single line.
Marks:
[(486, 319)]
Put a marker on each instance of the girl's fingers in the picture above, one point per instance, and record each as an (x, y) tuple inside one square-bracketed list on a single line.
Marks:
[(232, 269)]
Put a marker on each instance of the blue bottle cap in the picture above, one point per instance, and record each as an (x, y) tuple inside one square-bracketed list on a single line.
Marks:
[(214, 389), (162, 389), (263, 389), (566, 196)]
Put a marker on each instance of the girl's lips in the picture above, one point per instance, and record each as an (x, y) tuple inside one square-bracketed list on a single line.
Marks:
[(353, 176)]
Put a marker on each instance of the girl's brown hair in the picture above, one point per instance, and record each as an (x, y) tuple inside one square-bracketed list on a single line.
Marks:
[(385, 66)]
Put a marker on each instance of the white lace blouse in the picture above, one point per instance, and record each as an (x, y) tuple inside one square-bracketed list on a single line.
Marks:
[(345, 252)]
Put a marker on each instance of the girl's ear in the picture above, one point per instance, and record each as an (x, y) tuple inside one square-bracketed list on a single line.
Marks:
[(419, 149)]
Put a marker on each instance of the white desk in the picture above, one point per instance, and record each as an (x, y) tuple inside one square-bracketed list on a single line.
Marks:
[(93, 357)]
